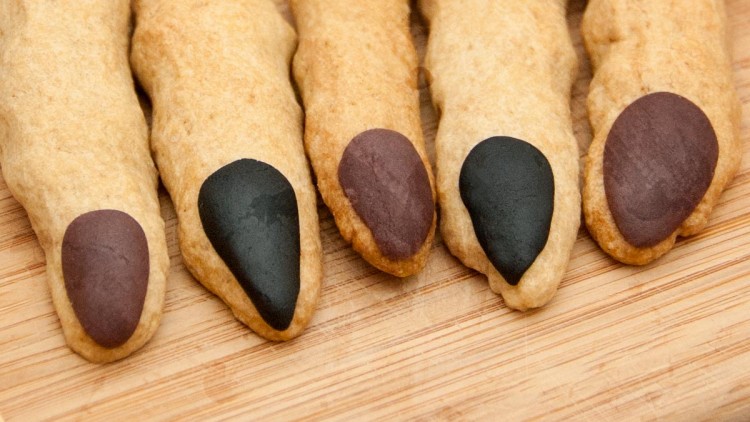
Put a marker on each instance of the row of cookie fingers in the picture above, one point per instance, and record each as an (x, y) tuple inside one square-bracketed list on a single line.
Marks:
[(226, 137), (227, 140)]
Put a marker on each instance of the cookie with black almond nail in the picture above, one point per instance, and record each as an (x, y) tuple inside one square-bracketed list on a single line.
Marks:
[(75, 153), (665, 117), (227, 138), (357, 70), (507, 159)]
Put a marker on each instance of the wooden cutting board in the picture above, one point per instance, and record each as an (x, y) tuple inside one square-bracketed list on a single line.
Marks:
[(669, 340)]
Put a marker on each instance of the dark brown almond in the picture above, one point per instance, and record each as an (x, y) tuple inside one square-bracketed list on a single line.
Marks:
[(659, 160), (105, 264), (386, 182)]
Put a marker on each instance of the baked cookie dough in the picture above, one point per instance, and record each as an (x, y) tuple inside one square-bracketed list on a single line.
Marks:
[(74, 152), (665, 118), (227, 138), (507, 160), (356, 67)]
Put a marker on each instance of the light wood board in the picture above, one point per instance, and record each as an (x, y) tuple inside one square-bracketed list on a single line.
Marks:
[(670, 340)]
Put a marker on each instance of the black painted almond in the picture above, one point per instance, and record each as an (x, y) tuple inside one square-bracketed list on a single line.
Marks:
[(105, 265), (659, 160), (508, 188), (249, 213), (387, 184)]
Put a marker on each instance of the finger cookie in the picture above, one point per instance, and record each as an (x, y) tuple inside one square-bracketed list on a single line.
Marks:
[(227, 138), (356, 68), (665, 118), (507, 160), (74, 152)]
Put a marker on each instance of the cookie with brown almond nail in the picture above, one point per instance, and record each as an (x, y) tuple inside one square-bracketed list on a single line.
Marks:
[(74, 152), (665, 117), (357, 70)]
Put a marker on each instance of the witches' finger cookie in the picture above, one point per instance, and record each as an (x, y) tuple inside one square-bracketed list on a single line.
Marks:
[(227, 138), (665, 118), (357, 71), (74, 152), (507, 160)]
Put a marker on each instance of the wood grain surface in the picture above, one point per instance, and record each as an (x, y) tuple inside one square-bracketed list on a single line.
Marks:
[(667, 341)]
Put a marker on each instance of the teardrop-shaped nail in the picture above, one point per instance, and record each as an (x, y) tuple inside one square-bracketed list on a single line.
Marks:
[(249, 213), (508, 188), (105, 265), (659, 160), (386, 182)]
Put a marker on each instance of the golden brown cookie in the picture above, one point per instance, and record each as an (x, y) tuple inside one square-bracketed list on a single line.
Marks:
[(507, 159), (227, 138), (356, 67), (665, 117), (74, 152)]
